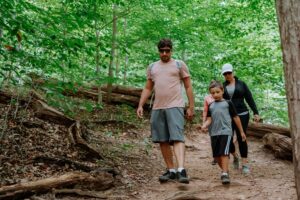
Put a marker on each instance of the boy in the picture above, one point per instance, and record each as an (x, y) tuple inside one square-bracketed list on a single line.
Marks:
[(219, 118)]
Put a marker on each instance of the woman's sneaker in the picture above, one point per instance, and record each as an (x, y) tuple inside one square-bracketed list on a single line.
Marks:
[(236, 162), (182, 177), (225, 179), (245, 170), (167, 176)]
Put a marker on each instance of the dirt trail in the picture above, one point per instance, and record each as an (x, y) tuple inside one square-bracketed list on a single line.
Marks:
[(270, 178)]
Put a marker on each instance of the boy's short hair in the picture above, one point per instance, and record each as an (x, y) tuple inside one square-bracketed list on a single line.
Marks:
[(214, 84), (165, 42)]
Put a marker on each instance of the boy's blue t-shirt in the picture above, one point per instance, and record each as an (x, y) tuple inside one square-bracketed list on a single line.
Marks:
[(221, 113)]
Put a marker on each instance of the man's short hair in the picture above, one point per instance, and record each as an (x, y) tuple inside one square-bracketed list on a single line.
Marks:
[(164, 43)]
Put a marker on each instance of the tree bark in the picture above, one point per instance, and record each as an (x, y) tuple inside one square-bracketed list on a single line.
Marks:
[(113, 52), (288, 15), (124, 90), (97, 56)]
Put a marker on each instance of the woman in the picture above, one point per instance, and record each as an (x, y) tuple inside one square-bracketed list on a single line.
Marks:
[(237, 91)]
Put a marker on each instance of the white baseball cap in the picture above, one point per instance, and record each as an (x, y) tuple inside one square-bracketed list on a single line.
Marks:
[(227, 68)]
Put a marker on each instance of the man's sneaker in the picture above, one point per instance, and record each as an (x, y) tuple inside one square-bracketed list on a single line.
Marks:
[(236, 162), (182, 177), (225, 179), (245, 170), (167, 176)]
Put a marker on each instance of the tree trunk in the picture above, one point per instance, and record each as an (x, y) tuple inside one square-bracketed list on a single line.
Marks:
[(288, 15), (97, 56), (113, 51), (126, 54)]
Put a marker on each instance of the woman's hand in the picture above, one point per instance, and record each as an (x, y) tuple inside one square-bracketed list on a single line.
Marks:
[(243, 135), (256, 118)]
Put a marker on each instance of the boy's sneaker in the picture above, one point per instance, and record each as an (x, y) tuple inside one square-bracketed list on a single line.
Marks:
[(167, 176), (182, 177), (236, 162), (225, 179), (245, 170)]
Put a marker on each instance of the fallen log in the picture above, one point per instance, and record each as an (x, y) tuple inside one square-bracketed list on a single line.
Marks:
[(43, 111), (7, 97), (121, 90), (115, 97), (280, 144), (99, 182), (119, 95), (260, 130)]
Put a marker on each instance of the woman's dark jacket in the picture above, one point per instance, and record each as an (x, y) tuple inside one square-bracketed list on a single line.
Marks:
[(241, 92)]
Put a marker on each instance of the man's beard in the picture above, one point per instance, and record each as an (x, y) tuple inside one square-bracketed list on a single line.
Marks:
[(165, 58)]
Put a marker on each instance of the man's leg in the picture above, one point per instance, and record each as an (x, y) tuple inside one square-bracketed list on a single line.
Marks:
[(167, 154), (179, 150)]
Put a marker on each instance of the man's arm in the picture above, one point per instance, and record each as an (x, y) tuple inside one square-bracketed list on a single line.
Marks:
[(144, 96), (189, 92)]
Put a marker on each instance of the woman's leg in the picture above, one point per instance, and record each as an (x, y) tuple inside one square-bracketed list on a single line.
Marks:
[(243, 146)]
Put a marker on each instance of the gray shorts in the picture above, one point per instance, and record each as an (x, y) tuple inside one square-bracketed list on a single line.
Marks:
[(167, 125)]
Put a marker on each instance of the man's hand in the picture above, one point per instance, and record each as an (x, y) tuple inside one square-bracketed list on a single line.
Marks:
[(140, 112), (190, 113)]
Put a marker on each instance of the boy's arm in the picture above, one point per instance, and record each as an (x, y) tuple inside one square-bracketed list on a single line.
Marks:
[(238, 123)]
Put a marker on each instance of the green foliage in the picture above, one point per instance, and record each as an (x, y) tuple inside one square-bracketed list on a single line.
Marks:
[(59, 40)]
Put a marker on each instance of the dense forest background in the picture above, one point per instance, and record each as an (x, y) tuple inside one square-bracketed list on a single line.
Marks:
[(97, 42)]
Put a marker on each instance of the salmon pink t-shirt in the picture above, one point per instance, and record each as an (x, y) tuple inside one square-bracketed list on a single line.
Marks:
[(167, 78)]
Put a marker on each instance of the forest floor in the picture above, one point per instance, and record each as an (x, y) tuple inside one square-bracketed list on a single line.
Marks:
[(124, 142)]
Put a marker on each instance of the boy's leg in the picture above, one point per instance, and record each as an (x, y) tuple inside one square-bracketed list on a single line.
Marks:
[(224, 162)]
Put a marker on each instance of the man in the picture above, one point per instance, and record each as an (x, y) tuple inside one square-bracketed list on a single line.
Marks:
[(167, 118)]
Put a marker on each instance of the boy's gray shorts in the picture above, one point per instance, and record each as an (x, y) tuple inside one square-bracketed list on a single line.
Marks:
[(167, 125)]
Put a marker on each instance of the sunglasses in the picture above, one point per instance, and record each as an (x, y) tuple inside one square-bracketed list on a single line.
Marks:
[(164, 50), (227, 73)]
